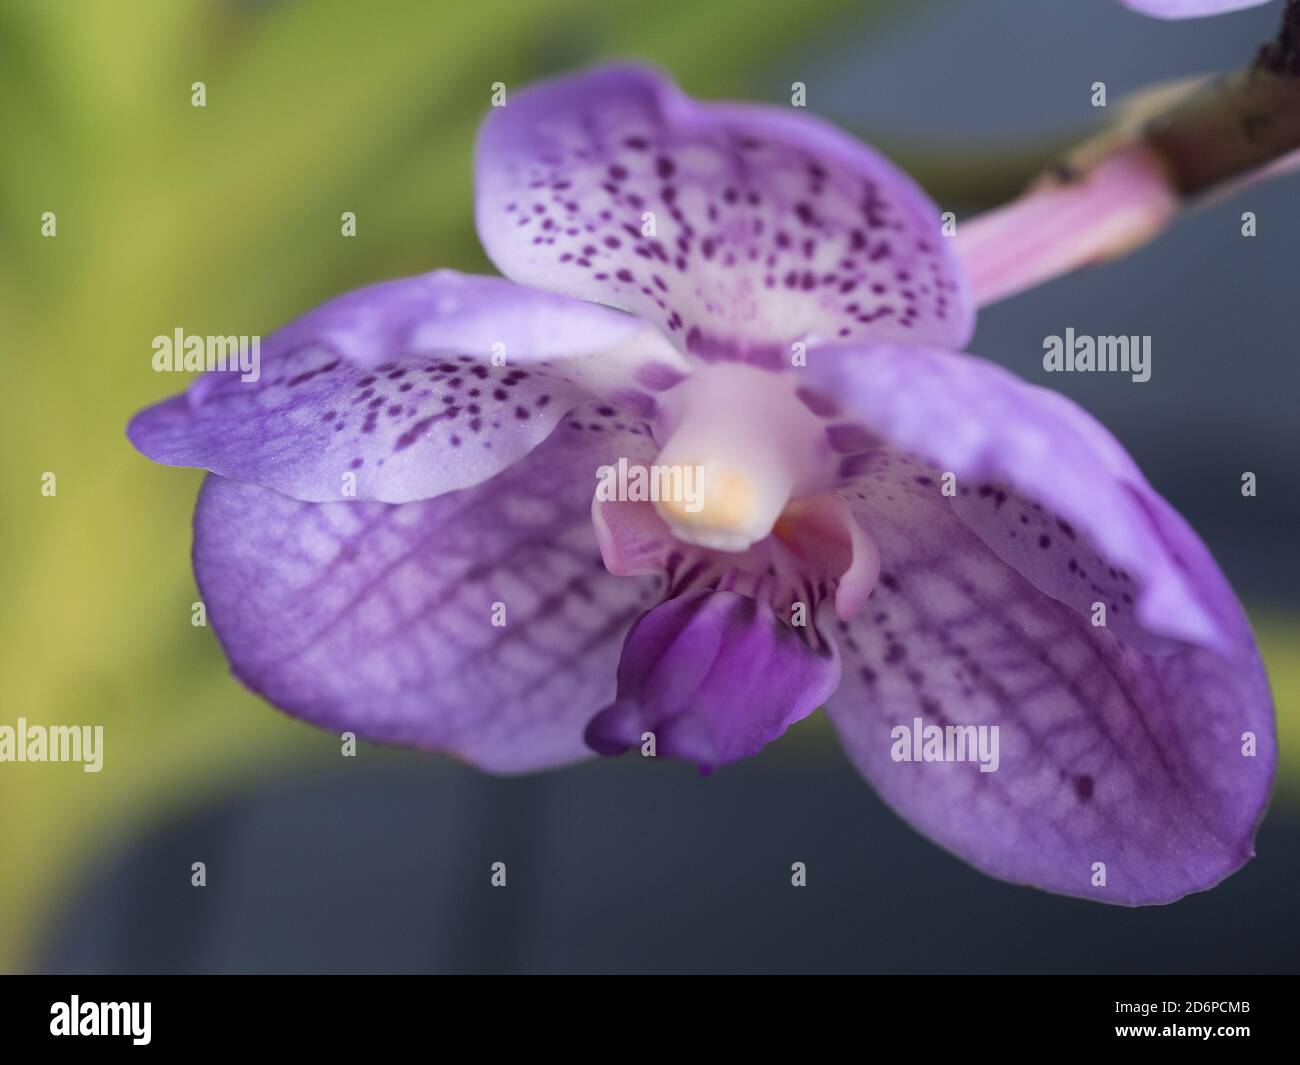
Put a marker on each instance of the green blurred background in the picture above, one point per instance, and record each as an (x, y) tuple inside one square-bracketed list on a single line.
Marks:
[(225, 219)]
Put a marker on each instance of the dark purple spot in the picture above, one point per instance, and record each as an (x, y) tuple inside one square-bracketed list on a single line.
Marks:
[(414, 433)]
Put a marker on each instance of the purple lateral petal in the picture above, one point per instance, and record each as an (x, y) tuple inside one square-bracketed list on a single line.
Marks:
[(770, 226), (1086, 534), (1105, 754), (391, 393), (714, 676), (379, 619), (1189, 8)]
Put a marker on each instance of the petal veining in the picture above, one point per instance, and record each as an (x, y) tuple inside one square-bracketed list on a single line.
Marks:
[(480, 623), (1112, 773)]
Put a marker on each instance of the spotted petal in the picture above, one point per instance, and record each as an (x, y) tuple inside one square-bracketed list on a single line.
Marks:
[(737, 229), (1031, 579), (407, 389), (1020, 452), (1114, 774), (480, 623)]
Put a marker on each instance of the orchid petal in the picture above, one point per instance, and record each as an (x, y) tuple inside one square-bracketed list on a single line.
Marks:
[(1049, 490), (480, 623), (737, 229), (408, 389), (1178, 9), (1117, 775)]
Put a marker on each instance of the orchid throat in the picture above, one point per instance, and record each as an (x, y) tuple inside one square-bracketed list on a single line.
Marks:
[(740, 498)]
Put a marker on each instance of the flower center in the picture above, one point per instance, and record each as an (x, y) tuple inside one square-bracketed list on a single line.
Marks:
[(754, 446)]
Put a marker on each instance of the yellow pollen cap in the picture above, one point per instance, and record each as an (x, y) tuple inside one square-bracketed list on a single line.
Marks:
[(727, 502)]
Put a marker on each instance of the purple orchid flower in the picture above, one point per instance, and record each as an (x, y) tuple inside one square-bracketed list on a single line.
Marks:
[(1178, 9), (402, 533)]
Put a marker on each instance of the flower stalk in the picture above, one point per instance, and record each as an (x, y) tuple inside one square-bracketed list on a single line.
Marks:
[(1174, 147)]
